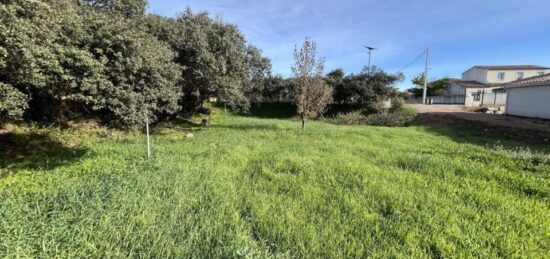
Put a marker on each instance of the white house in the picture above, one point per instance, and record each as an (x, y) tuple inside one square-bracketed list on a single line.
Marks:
[(529, 97), (503, 74), (481, 85)]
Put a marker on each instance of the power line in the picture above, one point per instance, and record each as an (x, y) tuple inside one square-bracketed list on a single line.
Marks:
[(412, 62)]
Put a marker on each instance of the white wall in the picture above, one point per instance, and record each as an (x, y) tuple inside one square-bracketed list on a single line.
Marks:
[(529, 101), (511, 75), (491, 76), (476, 74), (488, 97), (456, 89)]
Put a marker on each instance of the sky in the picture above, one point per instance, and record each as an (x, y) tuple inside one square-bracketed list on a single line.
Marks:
[(459, 33)]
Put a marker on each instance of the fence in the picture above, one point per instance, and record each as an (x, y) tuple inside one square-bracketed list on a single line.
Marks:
[(481, 98), (493, 99), (484, 98), (452, 99)]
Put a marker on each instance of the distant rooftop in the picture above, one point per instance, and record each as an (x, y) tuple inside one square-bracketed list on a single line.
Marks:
[(530, 81), (469, 83), (512, 67)]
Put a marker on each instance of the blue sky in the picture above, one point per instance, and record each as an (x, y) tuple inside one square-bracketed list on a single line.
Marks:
[(460, 33)]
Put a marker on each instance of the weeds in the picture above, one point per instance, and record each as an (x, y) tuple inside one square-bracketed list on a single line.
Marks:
[(251, 187)]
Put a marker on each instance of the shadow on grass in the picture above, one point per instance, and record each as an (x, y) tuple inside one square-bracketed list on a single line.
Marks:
[(273, 110), (36, 150), (174, 125), (247, 127)]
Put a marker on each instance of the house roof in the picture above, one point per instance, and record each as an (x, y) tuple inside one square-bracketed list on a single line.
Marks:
[(469, 83), (512, 67), (530, 81)]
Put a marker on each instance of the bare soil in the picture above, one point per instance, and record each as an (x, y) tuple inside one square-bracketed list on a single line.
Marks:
[(533, 130)]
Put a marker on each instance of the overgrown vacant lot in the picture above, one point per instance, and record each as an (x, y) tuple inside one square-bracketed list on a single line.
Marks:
[(260, 187)]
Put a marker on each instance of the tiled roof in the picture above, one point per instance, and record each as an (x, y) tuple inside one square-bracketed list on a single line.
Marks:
[(530, 81), (512, 67), (469, 83)]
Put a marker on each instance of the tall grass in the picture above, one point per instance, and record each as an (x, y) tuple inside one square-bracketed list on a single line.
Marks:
[(251, 187)]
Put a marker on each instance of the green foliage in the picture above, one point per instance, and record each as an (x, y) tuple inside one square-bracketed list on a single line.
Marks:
[(44, 44), (350, 118), (215, 58), (259, 75), (12, 103), (144, 78), (128, 8), (396, 118), (108, 59), (249, 187), (397, 104), (364, 91), (435, 88), (336, 76), (277, 89)]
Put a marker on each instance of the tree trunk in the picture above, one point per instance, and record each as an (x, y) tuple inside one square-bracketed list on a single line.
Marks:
[(62, 114), (303, 122)]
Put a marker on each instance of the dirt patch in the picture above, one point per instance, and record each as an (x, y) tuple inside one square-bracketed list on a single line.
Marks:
[(535, 131), (439, 108)]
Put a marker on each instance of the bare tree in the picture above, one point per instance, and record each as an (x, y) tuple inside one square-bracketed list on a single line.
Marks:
[(311, 94)]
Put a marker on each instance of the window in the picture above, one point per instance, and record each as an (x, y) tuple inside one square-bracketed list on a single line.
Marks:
[(501, 76), (520, 75)]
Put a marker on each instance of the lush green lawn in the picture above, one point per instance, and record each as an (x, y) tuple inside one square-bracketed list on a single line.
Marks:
[(260, 187)]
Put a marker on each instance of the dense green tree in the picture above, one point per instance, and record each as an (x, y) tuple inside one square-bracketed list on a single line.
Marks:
[(336, 76), (277, 88), (12, 103), (213, 60), (259, 73), (216, 60), (366, 91), (45, 56), (435, 88), (144, 77), (128, 8), (108, 59)]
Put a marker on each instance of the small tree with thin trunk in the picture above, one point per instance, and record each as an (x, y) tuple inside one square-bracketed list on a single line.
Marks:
[(311, 94)]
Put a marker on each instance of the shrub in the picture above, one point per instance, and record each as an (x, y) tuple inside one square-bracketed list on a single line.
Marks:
[(397, 118), (352, 118), (397, 104)]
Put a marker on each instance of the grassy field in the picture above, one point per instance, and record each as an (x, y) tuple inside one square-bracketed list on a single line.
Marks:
[(259, 187)]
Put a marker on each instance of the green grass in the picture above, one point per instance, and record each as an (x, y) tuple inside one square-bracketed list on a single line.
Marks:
[(256, 187)]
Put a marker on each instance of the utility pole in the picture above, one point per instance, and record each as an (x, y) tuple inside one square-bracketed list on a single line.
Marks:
[(426, 77), (370, 54)]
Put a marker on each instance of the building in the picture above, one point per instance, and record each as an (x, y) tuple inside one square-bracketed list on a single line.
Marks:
[(481, 85), (503, 74), (529, 97)]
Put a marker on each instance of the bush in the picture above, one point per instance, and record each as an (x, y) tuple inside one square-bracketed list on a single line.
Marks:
[(397, 104), (352, 118), (397, 118)]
